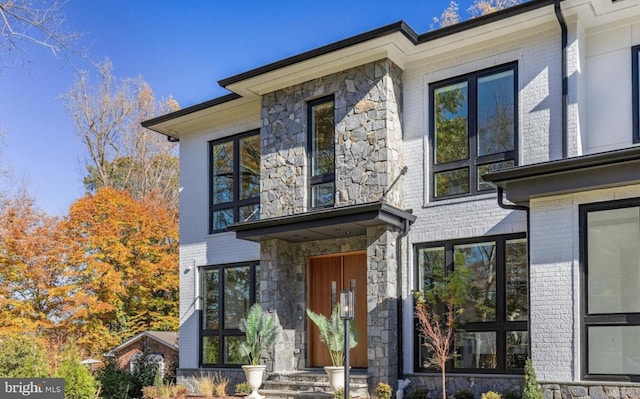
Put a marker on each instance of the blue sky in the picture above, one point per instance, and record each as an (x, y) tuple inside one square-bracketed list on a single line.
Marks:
[(181, 48)]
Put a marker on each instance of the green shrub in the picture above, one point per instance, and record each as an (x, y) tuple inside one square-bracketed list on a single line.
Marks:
[(243, 388), (22, 357), (491, 395), (463, 394), (78, 381), (116, 383), (383, 390), (531, 389), (339, 394)]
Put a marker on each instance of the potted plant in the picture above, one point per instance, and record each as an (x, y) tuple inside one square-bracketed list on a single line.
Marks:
[(332, 334), (261, 333)]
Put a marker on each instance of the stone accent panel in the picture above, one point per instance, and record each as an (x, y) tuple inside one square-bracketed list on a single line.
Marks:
[(432, 383), (368, 139), (582, 390)]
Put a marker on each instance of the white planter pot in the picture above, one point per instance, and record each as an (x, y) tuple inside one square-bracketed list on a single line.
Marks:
[(336, 377), (254, 379)]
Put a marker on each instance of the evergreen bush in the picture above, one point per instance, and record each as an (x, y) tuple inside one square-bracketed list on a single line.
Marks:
[(531, 389), (78, 381)]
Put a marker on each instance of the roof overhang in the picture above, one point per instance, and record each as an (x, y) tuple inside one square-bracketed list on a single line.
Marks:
[(590, 172), (396, 42), (325, 223)]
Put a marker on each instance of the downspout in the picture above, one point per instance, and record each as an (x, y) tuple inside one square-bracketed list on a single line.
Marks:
[(403, 233), (402, 383), (565, 81)]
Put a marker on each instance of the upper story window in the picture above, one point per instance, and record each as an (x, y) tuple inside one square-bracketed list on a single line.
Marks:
[(235, 180), (492, 335), (321, 152), (635, 82), (610, 238), (473, 130)]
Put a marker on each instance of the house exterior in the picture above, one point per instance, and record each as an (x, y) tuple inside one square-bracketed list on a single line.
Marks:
[(506, 144), (162, 346)]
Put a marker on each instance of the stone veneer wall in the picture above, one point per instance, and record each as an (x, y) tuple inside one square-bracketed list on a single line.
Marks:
[(591, 390), (475, 383), (368, 139)]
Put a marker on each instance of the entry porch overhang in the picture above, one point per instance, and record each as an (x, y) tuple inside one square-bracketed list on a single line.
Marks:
[(590, 172), (325, 223)]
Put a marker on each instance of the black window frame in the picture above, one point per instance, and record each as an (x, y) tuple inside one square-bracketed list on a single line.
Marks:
[(600, 319), (236, 203), (501, 325), (473, 161), (327, 177), (635, 92), (222, 332)]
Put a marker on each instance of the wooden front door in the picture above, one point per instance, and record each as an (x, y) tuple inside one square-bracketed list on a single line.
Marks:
[(321, 272)]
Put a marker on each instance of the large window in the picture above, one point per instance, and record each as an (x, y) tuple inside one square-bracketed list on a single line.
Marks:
[(473, 130), (235, 180), (321, 152), (635, 82), (611, 281), (492, 335), (227, 294)]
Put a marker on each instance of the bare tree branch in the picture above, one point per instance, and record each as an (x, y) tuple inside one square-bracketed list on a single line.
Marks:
[(40, 23)]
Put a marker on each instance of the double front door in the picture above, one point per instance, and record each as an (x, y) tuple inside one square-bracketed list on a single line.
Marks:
[(322, 271)]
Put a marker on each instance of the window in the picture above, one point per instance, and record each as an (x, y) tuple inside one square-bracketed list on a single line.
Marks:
[(611, 277), (635, 82), (321, 152), (235, 180), (473, 130), (227, 294), (493, 336)]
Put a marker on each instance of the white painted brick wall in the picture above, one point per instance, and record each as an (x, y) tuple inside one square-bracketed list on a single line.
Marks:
[(555, 281), (197, 247)]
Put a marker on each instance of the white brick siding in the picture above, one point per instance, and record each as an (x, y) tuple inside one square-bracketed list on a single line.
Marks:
[(555, 281)]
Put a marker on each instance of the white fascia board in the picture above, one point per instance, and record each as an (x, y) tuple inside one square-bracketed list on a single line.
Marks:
[(394, 47), (212, 117)]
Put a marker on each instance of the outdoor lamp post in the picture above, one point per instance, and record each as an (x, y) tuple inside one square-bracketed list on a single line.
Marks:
[(346, 313)]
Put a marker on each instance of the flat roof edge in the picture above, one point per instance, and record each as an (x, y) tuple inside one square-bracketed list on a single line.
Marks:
[(189, 110)]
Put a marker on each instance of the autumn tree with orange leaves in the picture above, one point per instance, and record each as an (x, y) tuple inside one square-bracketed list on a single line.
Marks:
[(125, 256), (34, 277)]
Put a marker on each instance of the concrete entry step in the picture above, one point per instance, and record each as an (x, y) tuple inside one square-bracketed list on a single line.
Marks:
[(310, 384)]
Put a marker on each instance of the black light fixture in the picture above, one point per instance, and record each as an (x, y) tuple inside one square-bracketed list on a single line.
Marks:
[(347, 313)]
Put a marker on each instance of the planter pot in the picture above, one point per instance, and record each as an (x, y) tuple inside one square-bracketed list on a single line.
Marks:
[(254, 379), (336, 377)]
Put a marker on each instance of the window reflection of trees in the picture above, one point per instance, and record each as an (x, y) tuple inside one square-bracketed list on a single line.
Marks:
[(473, 131), (481, 259)]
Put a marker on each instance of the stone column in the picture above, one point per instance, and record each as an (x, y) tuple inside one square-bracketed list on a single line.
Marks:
[(382, 306)]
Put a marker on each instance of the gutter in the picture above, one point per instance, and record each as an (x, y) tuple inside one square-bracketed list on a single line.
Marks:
[(565, 80)]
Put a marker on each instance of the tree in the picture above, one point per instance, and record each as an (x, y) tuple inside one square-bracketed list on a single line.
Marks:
[(450, 15), (125, 259), (78, 381), (21, 356), (122, 154), (40, 23), (437, 310), (34, 286)]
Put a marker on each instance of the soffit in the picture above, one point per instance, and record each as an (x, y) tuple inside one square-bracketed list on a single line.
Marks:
[(326, 223), (229, 110), (590, 172)]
